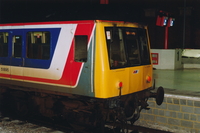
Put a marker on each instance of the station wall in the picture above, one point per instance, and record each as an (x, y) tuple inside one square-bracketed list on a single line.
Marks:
[(167, 58), (180, 114)]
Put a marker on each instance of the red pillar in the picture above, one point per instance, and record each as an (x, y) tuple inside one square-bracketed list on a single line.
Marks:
[(104, 1), (166, 37)]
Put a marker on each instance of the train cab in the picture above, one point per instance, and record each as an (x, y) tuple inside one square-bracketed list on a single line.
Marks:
[(122, 60)]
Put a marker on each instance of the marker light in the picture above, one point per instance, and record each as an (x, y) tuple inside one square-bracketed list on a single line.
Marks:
[(148, 79), (120, 84)]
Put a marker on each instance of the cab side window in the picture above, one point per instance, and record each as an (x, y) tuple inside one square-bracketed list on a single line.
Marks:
[(80, 43)]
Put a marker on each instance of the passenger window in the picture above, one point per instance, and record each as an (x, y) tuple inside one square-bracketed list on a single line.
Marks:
[(3, 44), (80, 48), (38, 45), (17, 46)]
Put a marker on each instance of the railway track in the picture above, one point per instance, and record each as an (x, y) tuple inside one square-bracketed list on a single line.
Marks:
[(12, 125), (137, 129)]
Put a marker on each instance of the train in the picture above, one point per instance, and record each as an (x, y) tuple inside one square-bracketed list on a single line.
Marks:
[(85, 71)]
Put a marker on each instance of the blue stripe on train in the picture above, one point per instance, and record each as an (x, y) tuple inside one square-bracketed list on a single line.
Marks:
[(34, 63)]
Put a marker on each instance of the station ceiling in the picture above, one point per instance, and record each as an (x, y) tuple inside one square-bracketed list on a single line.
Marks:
[(167, 5), (146, 3), (110, 1), (85, 9)]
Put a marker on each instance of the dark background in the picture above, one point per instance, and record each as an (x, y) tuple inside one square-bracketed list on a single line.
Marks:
[(184, 34)]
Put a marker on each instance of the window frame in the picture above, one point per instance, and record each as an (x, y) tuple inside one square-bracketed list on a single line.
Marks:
[(142, 46)]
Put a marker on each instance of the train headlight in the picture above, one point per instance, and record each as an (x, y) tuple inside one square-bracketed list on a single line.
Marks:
[(148, 79)]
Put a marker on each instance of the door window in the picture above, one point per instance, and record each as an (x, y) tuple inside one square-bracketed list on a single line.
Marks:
[(17, 46)]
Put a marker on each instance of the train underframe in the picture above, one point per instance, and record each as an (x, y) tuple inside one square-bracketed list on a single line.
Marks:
[(76, 109)]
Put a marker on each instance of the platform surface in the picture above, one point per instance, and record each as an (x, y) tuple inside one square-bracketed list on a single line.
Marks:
[(181, 82), (180, 110)]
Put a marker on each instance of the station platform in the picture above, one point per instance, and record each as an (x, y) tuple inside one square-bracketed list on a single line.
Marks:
[(181, 82), (180, 111)]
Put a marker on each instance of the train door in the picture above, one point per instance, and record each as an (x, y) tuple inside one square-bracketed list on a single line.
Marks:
[(134, 58), (17, 59), (138, 56), (4, 54)]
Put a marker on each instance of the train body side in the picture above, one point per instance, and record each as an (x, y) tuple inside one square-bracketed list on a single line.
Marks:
[(59, 72)]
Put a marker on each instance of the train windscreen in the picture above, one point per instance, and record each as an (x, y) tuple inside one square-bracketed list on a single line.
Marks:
[(127, 47)]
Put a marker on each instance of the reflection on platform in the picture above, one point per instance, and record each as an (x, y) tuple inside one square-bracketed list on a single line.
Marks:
[(184, 82)]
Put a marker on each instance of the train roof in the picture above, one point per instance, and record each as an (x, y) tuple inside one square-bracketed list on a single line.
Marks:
[(62, 22), (43, 12)]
